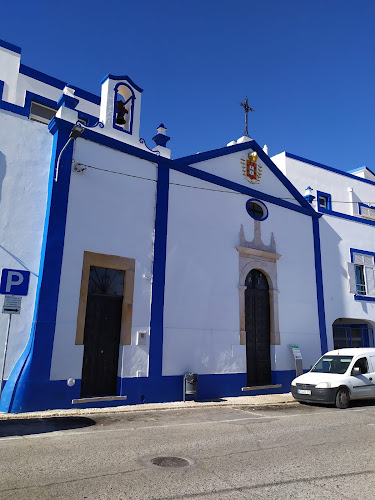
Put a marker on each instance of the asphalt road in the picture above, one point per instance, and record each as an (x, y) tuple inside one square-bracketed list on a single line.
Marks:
[(297, 452)]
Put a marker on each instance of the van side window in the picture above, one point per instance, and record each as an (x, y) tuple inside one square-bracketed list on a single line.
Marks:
[(361, 363)]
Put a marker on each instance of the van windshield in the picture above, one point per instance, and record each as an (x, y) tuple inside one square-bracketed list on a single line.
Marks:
[(332, 364)]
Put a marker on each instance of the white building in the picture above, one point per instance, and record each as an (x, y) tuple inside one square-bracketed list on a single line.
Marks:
[(144, 268)]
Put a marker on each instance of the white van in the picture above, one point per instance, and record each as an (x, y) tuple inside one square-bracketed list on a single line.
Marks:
[(338, 377)]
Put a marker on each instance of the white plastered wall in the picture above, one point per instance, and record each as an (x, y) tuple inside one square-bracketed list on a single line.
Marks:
[(17, 84), (9, 67), (108, 214), (303, 174), (25, 152), (230, 167), (25, 83), (201, 312), (338, 236)]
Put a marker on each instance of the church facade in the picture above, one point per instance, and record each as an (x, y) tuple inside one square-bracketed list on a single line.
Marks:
[(143, 268)]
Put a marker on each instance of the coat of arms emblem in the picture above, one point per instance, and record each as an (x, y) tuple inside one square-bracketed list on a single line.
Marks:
[(252, 171)]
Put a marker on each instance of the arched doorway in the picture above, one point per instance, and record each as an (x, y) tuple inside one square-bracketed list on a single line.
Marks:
[(257, 326)]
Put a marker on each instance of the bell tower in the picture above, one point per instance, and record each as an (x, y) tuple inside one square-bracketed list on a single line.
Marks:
[(120, 108)]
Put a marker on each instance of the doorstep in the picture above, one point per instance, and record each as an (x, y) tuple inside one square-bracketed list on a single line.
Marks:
[(100, 399), (261, 387)]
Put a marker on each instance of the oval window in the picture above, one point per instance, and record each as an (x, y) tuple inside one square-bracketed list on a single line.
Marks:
[(257, 209)]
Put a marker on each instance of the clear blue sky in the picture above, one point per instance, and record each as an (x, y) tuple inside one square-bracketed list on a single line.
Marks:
[(307, 67)]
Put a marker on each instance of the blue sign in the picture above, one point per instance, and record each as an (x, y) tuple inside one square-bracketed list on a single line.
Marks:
[(14, 282)]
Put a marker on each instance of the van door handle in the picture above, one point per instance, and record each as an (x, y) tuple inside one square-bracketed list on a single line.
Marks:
[(370, 378)]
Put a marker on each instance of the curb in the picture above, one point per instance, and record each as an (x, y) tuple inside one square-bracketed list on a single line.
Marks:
[(249, 401)]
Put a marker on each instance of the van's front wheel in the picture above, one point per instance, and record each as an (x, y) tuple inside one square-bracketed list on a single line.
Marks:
[(342, 398)]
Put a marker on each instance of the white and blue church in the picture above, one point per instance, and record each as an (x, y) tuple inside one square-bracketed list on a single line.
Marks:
[(143, 267)]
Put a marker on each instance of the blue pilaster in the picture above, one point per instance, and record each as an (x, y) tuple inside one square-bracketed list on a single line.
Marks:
[(319, 286), (158, 281), (28, 387)]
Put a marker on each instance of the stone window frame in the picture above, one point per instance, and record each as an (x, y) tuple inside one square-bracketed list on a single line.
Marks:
[(266, 262), (110, 262)]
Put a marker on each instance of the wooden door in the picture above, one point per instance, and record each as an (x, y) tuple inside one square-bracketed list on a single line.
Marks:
[(257, 326), (102, 335)]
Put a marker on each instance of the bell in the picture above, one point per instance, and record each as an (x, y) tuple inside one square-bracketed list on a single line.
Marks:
[(120, 120)]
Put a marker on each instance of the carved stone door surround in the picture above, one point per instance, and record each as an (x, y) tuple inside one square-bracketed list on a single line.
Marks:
[(256, 255)]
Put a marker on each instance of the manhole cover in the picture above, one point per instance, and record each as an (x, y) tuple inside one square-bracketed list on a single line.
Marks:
[(170, 462)]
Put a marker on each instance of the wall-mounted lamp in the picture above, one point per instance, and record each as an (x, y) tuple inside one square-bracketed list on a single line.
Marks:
[(76, 131)]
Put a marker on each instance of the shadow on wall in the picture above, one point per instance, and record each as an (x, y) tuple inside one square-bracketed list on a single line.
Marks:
[(3, 169), (17, 259)]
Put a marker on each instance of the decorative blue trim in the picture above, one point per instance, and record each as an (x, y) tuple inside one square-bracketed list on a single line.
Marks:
[(240, 188), (352, 218), (199, 174), (355, 250), (83, 94), (326, 167), (130, 115), (142, 141), (364, 297), (361, 168), (42, 77), (139, 390), (309, 198), (365, 252), (208, 155), (31, 374), (59, 84), (328, 198), (85, 126), (319, 287), (259, 203), (109, 142), (364, 205), (161, 140), (31, 97), (123, 78), (67, 101), (10, 46), (183, 167), (21, 367), (158, 282)]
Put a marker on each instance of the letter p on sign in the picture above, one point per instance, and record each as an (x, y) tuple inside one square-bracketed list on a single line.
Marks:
[(14, 282)]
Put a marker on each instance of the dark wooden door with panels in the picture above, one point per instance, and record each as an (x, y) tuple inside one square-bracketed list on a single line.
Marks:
[(257, 326), (102, 332)]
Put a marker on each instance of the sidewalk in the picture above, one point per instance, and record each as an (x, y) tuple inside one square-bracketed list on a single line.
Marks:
[(265, 400)]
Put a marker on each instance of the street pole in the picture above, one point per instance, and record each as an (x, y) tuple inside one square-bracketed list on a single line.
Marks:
[(5, 353)]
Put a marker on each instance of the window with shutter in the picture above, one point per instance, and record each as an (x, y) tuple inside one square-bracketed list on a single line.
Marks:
[(352, 278), (361, 273), (370, 281), (324, 201)]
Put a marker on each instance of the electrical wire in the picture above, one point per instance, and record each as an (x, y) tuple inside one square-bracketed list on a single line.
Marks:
[(194, 187)]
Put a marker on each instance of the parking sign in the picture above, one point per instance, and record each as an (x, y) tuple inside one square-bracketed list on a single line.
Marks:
[(14, 282)]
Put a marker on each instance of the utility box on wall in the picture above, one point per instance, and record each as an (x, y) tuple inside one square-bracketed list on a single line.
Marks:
[(297, 359), (141, 338)]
